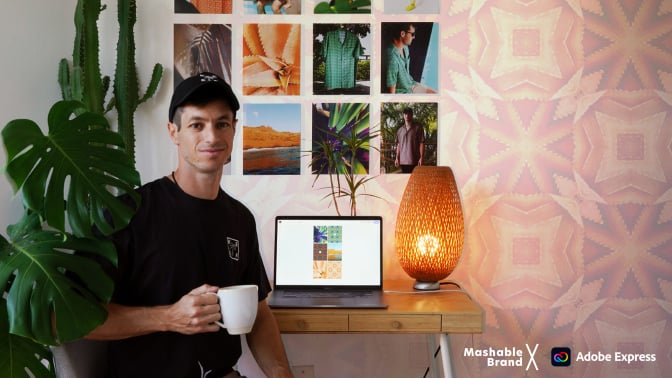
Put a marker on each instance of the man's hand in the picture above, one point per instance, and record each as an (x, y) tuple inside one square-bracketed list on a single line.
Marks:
[(195, 312)]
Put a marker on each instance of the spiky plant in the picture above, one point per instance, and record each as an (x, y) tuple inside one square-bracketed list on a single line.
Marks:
[(341, 149)]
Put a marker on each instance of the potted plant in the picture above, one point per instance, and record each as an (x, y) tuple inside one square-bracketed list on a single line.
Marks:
[(69, 180), (341, 150)]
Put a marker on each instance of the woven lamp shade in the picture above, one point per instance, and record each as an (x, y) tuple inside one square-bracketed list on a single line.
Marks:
[(429, 233)]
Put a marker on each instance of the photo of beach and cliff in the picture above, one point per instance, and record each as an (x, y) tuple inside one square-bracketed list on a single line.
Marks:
[(272, 139)]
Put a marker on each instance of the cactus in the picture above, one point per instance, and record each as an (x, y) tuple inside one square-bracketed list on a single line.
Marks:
[(83, 82), (126, 97)]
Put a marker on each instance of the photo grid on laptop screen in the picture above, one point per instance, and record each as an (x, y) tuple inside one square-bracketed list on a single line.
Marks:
[(328, 252)]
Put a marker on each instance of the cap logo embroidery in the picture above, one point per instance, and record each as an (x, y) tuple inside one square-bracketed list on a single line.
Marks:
[(233, 246), (209, 78)]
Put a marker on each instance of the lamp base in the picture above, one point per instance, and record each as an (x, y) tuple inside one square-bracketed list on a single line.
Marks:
[(425, 285)]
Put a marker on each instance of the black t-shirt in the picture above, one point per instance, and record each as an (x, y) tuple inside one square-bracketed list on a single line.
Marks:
[(175, 243)]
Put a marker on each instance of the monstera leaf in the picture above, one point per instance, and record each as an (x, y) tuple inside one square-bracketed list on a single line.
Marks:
[(22, 355), (80, 151), (43, 276)]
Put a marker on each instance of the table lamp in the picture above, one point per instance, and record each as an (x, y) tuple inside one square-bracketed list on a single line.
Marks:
[(429, 233)]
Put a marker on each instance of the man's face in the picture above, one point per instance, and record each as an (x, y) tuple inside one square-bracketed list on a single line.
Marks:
[(408, 35), (408, 117), (205, 139)]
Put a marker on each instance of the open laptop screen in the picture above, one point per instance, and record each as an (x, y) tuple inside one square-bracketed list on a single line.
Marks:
[(326, 251)]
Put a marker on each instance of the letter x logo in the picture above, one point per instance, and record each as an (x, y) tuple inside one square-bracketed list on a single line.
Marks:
[(532, 353)]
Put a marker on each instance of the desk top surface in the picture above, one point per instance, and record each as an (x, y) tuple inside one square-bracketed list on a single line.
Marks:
[(456, 308), (401, 297)]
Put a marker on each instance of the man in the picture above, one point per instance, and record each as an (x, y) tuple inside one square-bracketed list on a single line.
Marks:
[(410, 144), (397, 75), (187, 239)]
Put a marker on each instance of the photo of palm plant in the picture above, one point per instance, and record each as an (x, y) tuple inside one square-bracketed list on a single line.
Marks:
[(341, 143), (340, 138)]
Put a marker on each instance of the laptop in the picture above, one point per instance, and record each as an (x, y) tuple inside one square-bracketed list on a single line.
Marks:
[(328, 262)]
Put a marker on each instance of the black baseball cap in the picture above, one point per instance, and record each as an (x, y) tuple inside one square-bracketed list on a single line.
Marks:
[(204, 80)]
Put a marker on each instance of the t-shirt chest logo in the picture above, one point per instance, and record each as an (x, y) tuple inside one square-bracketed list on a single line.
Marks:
[(233, 246)]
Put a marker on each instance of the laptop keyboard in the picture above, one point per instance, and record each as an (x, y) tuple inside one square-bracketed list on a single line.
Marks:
[(327, 294)]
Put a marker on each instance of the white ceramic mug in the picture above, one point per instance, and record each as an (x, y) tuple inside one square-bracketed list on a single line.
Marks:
[(238, 306)]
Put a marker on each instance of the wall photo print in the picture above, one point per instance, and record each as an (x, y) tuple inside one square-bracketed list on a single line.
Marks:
[(272, 139), (409, 61), (204, 6), (342, 6), (272, 7), (342, 59), (341, 138), (199, 48), (409, 136), (271, 59), (412, 7)]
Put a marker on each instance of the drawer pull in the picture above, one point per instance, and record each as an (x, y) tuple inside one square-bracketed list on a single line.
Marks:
[(302, 324), (396, 324)]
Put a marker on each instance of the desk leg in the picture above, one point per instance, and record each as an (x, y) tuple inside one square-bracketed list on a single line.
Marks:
[(433, 364), (445, 355)]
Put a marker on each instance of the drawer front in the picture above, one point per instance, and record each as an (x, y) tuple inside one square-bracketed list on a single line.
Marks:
[(312, 323), (422, 323)]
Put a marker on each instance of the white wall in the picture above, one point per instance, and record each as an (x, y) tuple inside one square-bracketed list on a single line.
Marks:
[(35, 35)]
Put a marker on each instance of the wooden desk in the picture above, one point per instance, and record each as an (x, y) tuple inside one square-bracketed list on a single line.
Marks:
[(425, 312)]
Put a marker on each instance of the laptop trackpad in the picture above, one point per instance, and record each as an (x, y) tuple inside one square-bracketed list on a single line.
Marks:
[(328, 302)]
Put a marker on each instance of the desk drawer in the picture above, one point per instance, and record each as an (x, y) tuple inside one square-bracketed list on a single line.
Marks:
[(312, 323), (425, 323)]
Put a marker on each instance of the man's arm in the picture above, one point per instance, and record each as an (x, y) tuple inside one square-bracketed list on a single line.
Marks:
[(194, 313), (266, 345), (422, 153)]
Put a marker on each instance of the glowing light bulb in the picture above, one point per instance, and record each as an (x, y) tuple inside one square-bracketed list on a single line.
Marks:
[(428, 244)]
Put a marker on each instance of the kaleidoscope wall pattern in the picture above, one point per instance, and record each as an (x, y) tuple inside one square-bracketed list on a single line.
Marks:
[(562, 117), (556, 117)]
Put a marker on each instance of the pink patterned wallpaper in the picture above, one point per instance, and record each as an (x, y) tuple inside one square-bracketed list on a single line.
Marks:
[(562, 135), (556, 117)]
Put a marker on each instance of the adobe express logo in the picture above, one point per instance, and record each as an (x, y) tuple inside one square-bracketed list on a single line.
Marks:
[(561, 356)]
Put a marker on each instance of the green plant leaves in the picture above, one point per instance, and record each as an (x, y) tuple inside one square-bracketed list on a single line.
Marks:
[(81, 148), (46, 277), (344, 6), (21, 354), (39, 271), (342, 149)]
